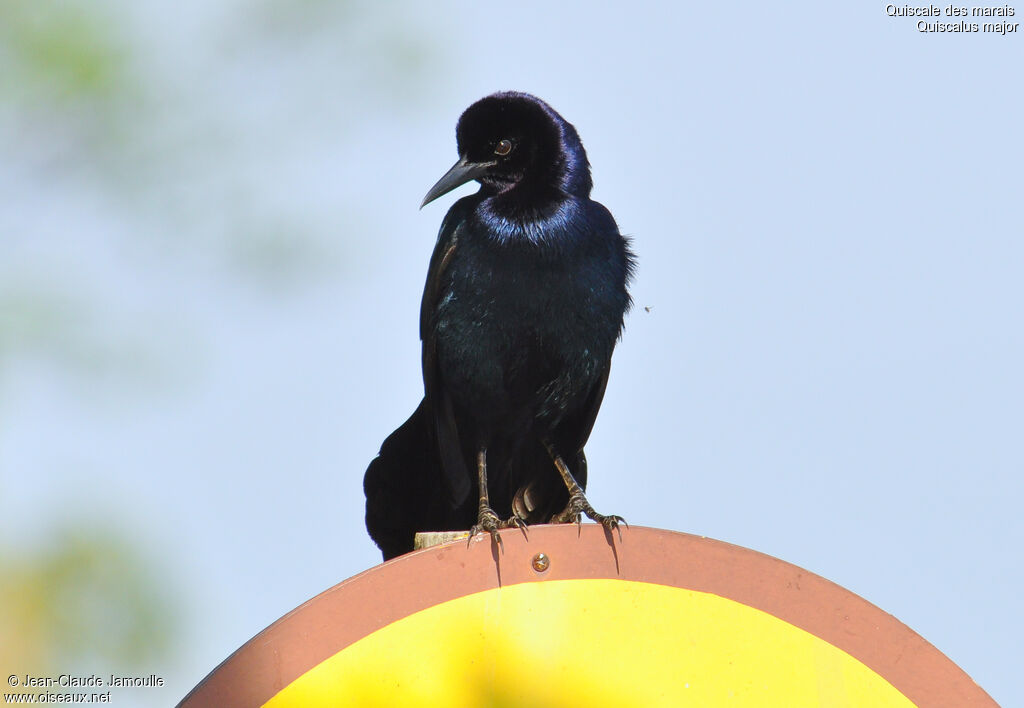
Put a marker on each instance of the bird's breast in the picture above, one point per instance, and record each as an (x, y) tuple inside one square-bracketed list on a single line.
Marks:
[(511, 326)]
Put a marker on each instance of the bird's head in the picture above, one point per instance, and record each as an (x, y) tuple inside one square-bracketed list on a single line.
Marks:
[(515, 143)]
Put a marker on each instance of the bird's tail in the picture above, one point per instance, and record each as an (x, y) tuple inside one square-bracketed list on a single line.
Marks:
[(400, 484)]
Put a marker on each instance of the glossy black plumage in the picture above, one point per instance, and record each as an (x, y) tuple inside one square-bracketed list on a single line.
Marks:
[(523, 305)]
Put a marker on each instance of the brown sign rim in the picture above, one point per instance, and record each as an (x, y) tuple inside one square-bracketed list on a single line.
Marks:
[(354, 608)]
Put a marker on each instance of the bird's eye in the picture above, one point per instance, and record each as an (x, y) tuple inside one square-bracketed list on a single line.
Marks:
[(503, 147)]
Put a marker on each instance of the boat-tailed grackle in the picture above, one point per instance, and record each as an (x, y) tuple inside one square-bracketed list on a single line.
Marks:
[(523, 304)]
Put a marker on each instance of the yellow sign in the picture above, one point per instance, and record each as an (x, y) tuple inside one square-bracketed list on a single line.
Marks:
[(588, 642)]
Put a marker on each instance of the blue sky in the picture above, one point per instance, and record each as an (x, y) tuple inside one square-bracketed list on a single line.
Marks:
[(826, 207)]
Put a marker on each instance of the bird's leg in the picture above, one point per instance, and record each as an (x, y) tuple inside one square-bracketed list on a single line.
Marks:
[(486, 519), (577, 501)]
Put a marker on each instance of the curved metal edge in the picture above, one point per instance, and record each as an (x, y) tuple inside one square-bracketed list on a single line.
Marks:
[(354, 608)]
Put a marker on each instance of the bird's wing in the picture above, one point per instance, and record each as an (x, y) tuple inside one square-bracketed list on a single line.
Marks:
[(578, 427), (453, 464)]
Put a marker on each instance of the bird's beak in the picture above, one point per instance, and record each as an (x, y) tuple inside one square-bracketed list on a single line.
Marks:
[(460, 173)]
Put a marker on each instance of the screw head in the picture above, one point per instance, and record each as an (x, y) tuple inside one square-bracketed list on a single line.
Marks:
[(541, 562)]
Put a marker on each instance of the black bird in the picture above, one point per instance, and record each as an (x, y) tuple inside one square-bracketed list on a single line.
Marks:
[(524, 302)]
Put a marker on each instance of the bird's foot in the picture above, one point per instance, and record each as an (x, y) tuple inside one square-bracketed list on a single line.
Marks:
[(578, 504), (488, 521), (515, 522)]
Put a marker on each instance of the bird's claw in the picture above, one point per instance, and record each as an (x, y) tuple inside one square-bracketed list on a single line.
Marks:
[(488, 521), (569, 515), (611, 522), (516, 523), (579, 505)]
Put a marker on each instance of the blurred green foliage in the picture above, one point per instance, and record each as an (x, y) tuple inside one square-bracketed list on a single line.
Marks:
[(155, 157), (93, 110), (198, 152), (88, 597), (60, 51)]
